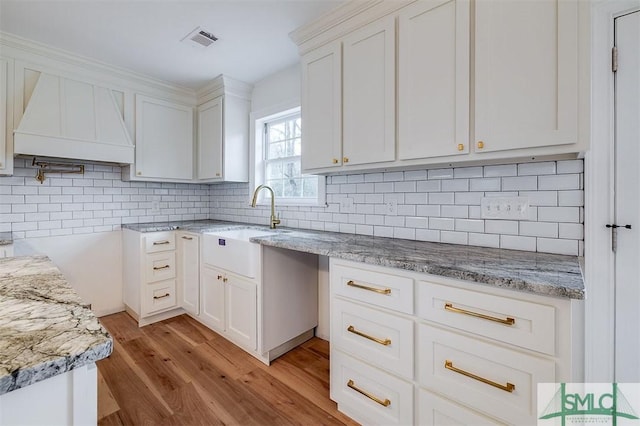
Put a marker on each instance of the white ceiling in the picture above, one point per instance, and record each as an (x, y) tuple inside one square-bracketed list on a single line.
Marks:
[(144, 36)]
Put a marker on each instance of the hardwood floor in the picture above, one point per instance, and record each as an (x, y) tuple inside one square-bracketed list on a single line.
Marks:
[(178, 372)]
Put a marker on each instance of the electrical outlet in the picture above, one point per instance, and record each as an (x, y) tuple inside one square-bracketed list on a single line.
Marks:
[(391, 208), (347, 206), (508, 208), (155, 206)]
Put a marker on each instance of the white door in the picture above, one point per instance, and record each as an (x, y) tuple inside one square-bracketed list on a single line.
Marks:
[(627, 204), (212, 284), (369, 99), (210, 139), (241, 312)]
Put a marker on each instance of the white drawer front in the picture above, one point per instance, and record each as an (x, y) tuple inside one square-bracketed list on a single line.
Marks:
[(160, 266), (436, 411), (500, 366), (371, 286), (159, 296), (517, 322), (159, 241), (381, 338), (388, 390)]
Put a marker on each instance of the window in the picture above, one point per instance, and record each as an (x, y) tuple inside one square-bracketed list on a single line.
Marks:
[(277, 153)]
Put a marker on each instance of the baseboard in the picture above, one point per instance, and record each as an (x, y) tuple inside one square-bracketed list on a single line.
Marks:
[(111, 311)]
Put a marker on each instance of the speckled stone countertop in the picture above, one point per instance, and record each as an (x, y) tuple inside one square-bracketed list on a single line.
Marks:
[(5, 238), (45, 328), (540, 273)]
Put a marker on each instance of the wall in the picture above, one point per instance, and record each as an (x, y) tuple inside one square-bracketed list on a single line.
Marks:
[(441, 205)]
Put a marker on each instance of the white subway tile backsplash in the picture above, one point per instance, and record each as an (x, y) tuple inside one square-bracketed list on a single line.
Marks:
[(440, 174), (558, 246), (454, 237), (499, 171), (539, 229), (441, 205), (559, 182), (535, 169), (559, 214), (518, 243), (484, 184), (520, 183)]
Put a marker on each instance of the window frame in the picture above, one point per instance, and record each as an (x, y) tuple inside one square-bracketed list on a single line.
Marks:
[(258, 163)]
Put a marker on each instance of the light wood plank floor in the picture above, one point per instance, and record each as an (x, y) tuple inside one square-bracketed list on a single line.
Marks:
[(178, 372)]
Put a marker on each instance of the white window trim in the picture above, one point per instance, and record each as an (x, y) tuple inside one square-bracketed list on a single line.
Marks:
[(256, 173)]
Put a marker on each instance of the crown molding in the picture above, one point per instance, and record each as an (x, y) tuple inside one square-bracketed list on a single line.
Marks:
[(224, 85), (340, 21), (89, 64)]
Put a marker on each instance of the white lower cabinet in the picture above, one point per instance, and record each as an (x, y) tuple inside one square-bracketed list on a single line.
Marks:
[(479, 352), (433, 410), (188, 264), (212, 312)]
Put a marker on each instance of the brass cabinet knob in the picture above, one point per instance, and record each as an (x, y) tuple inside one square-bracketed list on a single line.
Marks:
[(139, 173), (480, 144), (225, 279), (345, 159), (219, 277), (217, 174), (335, 161), (460, 147)]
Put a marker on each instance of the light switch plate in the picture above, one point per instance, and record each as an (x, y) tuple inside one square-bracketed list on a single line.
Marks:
[(507, 208)]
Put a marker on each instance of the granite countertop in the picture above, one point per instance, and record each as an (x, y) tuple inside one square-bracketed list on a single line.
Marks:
[(5, 238), (45, 328), (540, 273)]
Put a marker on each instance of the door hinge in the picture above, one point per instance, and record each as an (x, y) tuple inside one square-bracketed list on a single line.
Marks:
[(614, 59)]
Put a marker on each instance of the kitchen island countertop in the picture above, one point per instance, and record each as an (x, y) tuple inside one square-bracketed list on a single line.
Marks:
[(45, 328), (540, 273)]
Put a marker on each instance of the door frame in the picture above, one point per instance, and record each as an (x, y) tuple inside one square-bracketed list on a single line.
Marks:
[(599, 339)]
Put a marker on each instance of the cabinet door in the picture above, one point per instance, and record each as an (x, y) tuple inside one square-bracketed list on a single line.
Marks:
[(189, 272), (322, 108), (433, 79), (164, 139), (526, 74), (212, 287), (369, 94), (241, 312), (210, 139)]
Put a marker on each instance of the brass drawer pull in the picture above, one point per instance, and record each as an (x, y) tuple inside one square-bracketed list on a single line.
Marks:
[(506, 321), (384, 342), (162, 297), (159, 243), (184, 237), (509, 387), (157, 268), (364, 287), (384, 402)]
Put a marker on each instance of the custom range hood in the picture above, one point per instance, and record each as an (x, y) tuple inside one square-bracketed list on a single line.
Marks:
[(67, 118)]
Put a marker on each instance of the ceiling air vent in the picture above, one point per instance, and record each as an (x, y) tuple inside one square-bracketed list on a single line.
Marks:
[(199, 37)]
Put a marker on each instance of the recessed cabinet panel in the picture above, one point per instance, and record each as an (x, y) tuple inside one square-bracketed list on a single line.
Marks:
[(433, 80), (164, 139), (210, 139), (322, 107), (212, 311), (369, 94), (3, 115), (189, 272), (526, 74), (241, 312)]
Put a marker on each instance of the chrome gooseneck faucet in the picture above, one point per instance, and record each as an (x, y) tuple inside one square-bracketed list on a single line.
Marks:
[(274, 220)]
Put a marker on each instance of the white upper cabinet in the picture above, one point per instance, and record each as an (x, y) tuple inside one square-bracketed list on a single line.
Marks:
[(369, 94), (164, 139), (321, 99), (433, 79), (210, 139), (223, 131), (526, 74)]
